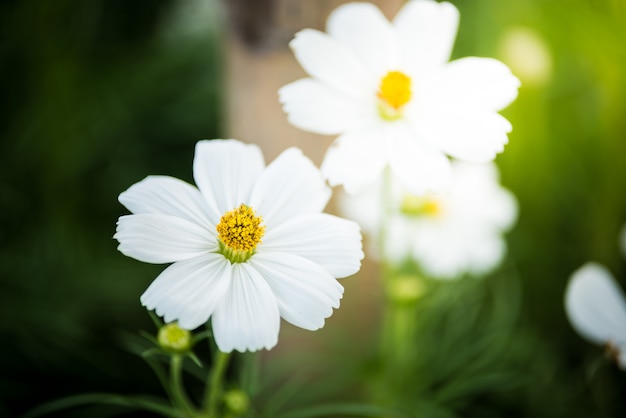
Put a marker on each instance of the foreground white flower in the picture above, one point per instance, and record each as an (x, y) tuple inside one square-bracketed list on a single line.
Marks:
[(248, 246), (388, 90), (596, 308), (448, 234)]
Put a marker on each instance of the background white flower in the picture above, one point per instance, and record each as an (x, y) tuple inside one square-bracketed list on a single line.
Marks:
[(450, 233), (390, 93), (248, 246), (596, 308)]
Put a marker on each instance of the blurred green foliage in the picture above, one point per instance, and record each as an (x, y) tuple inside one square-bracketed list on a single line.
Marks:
[(97, 95)]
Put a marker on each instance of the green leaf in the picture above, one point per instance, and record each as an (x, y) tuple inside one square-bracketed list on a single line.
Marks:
[(145, 403), (344, 409)]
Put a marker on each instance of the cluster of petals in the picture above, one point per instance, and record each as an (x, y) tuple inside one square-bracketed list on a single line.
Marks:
[(450, 109), (596, 307), (290, 274), (448, 234)]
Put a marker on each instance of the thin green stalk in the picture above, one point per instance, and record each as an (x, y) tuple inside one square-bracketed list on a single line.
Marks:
[(386, 270), (215, 383), (179, 396)]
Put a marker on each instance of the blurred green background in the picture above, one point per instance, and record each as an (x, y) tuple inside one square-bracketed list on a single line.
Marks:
[(98, 94)]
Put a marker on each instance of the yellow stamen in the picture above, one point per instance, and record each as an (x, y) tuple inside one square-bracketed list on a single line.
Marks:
[(420, 206), (394, 92), (239, 233)]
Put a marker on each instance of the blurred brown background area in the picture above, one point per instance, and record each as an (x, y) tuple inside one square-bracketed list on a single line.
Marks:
[(258, 62)]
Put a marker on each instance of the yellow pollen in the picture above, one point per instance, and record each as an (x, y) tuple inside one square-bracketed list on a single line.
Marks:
[(432, 207), (240, 229), (395, 89), (421, 206)]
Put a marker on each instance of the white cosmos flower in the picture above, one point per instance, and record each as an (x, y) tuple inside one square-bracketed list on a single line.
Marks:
[(596, 308), (448, 234), (249, 245), (390, 93)]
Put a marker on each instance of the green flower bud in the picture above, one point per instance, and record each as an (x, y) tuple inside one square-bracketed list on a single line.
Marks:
[(174, 339), (236, 401)]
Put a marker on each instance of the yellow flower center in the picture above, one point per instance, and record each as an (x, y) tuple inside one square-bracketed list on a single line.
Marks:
[(421, 206), (394, 92), (239, 233)]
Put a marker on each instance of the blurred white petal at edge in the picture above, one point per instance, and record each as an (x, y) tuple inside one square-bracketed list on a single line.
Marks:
[(596, 306)]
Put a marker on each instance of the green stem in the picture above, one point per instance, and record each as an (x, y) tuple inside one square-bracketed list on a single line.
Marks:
[(215, 383), (386, 270), (179, 396)]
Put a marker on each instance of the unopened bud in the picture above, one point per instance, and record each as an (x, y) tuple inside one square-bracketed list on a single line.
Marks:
[(236, 401), (175, 339)]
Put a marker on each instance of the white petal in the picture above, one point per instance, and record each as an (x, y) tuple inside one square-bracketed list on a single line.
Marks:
[(426, 31), (418, 166), (398, 239), (448, 250), (485, 253), (225, 171), (365, 30), (169, 196), (595, 305), (247, 319), (467, 134), (316, 107), (354, 160), (156, 238), (483, 82), (329, 241), (306, 293), (291, 185), (188, 291), (332, 63), (365, 207), (476, 189)]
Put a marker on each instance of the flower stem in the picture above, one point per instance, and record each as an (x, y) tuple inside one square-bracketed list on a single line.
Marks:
[(215, 383), (179, 397)]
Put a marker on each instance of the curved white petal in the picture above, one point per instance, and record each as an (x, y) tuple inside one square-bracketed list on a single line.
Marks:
[(398, 240), (156, 238), (419, 167), (364, 208), (354, 160), (447, 250), (247, 319), (329, 241), (483, 201), (595, 305), (483, 82), (485, 253), (188, 291), (168, 196), (316, 107), (306, 293), (365, 30), (426, 32), (225, 172), (332, 63), (467, 134), (291, 185)]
